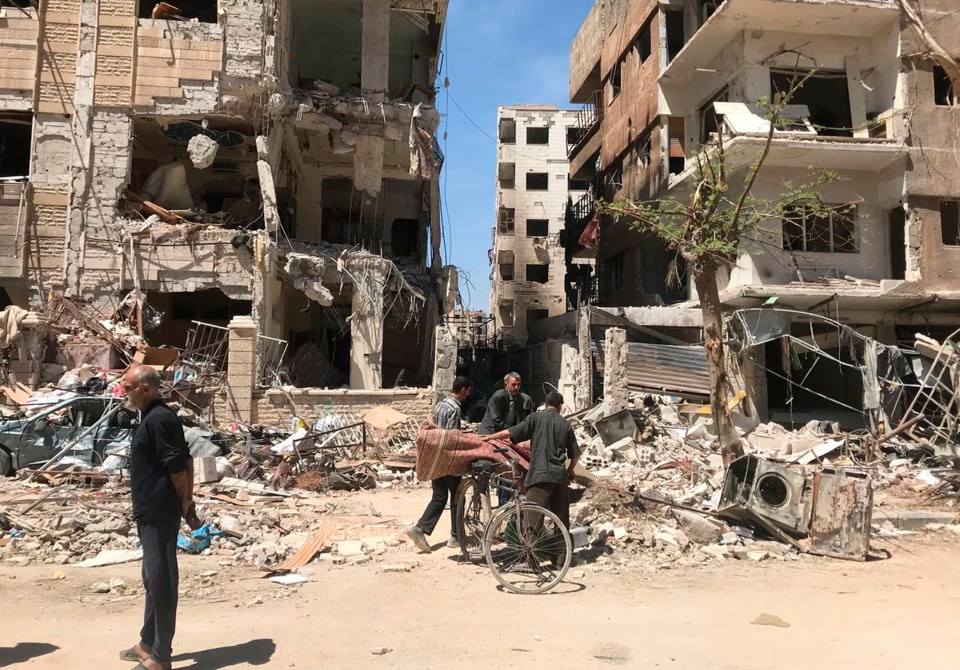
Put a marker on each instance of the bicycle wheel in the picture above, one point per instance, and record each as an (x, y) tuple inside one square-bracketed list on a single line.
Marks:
[(473, 513), (527, 548)]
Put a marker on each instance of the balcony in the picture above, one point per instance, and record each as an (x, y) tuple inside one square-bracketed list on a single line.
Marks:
[(575, 222), (847, 18), (588, 121), (798, 145)]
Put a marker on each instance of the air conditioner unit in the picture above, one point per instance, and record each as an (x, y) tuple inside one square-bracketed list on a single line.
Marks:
[(709, 9)]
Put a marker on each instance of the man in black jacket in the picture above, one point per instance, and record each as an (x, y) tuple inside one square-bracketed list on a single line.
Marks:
[(161, 485), (506, 409)]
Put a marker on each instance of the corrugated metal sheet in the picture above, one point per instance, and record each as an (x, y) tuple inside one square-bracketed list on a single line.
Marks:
[(665, 368)]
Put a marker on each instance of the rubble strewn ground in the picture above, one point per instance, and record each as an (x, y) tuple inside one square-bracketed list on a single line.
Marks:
[(653, 506)]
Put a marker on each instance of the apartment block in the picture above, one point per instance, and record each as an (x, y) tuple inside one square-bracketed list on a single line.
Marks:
[(534, 192), (661, 80), (271, 161)]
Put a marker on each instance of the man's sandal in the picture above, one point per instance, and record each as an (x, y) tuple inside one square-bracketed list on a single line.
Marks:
[(131, 655)]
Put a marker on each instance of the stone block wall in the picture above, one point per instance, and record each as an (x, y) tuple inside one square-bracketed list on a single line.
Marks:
[(273, 407), (19, 32)]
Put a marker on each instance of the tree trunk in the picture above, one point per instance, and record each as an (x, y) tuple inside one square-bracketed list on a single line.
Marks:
[(941, 56), (705, 279)]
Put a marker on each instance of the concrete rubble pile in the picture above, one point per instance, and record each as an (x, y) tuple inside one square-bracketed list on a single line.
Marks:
[(665, 498)]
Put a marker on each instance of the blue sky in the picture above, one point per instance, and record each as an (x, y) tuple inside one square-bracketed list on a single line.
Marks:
[(496, 52)]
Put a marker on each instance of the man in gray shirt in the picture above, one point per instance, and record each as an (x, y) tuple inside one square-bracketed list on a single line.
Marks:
[(552, 444), (446, 416)]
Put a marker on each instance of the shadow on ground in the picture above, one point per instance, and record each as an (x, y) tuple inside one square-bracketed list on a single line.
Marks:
[(254, 652), (24, 651)]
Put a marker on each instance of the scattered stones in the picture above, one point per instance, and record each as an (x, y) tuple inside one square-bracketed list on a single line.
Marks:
[(380, 651), (100, 587)]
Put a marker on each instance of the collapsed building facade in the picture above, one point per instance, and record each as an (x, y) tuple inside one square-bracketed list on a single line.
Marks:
[(264, 171), (529, 266), (660, 82)]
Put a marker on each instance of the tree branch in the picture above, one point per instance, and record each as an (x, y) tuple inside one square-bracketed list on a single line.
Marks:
[(940, 55)]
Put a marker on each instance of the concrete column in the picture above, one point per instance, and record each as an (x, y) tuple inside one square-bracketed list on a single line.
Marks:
[(444, 361), (366, 328), (584, 395), (374, 80), (858, 103), (242, 367), (615, 391), (82, 127)]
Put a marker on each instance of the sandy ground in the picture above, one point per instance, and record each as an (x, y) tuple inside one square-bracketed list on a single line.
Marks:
[(898, 613)]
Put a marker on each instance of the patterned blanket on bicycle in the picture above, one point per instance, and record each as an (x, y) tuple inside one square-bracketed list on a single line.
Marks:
[(450, 452)]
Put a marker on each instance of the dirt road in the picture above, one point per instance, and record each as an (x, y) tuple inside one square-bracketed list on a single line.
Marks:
[(899, 613)]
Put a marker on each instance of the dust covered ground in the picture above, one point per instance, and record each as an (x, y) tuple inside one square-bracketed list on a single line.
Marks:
[(431, 611)]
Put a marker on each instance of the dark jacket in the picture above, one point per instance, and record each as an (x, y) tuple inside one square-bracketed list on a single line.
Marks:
[(498, 408)]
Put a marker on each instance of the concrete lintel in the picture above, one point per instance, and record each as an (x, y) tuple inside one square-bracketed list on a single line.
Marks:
[(663, 317)]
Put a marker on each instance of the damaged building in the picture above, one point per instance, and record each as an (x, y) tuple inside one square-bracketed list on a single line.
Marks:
[(659, 82), (529, 275), (261, 176)]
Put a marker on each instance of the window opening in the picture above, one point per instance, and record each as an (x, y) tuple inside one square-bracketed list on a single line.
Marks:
[(643, 45), (535, 314), (950, 222), (826, 96), (538, 273), (615, 80), (508, 131), (943, 93), (15, 132), (815, 230), (538, 227), (506, 271), (505, 222), (538, 135), (405, 237), (674, 21), (537, 181)]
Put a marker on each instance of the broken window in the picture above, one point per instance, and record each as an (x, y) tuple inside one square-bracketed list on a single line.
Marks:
[(405, 237), (898, 247), (643, 45), (826, 96), (674, 25), (616, 176), (535, 314), (15, 132), (574, 133), (943, 93), (204, 11), (709, 122), (19, 4), (506, 312), (644, 151), (827, 229), (505, 220), (578, 184), (950, 222), (506, 271), (508, 131), (538, 135), (507, 173), (537, 272), (538, 181), (538, 227), (615, 80)]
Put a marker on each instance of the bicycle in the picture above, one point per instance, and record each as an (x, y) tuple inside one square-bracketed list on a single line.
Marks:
[(526, 546)]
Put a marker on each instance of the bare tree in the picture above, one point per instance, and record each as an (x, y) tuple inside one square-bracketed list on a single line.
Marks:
[(911, 12), (713, 227)]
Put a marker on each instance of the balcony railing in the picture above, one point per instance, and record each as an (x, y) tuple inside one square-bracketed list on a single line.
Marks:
[(588, 120)]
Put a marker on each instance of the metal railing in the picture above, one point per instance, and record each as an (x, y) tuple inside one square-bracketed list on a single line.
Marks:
[(588, 119), (204, 358), (270, 353)]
